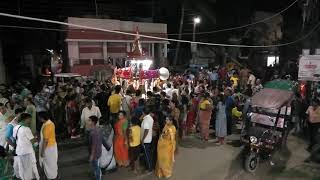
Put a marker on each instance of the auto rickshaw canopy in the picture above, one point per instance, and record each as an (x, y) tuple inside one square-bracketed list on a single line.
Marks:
[(281, 84), (272, 98)]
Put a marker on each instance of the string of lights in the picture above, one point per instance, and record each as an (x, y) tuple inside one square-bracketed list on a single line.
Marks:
[(32, 28)]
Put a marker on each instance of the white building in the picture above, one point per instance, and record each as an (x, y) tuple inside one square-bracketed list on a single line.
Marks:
[(89, 50)]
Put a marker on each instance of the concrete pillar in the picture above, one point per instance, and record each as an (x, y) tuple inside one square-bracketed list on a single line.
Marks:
[(165, 50), (2, 67), (225, 60), (128, 47), (152, 50), (149, 49), (34, 71), (71, 61), (114, 61), (73, 53), (105, 52)]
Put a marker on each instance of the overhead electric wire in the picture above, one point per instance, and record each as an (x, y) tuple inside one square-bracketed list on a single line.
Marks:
[(242, 26), (161, 38), (31, 28)]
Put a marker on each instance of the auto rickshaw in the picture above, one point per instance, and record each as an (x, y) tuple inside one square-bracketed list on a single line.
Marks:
[(65, 77), (267, 123)]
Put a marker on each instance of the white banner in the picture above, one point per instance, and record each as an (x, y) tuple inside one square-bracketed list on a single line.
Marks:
[(309, 68)]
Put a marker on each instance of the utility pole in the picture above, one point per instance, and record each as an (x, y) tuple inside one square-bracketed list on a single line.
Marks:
[(194, 49), (180, 34), (19, 7), (2, 67), (96, 6), (153, 10)]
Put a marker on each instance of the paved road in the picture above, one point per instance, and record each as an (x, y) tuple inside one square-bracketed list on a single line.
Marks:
[(202, 161)]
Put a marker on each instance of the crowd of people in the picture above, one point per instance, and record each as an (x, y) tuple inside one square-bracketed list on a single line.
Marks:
[(122, 125)]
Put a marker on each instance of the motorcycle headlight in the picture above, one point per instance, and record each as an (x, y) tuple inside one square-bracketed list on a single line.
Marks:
[(253, 140)]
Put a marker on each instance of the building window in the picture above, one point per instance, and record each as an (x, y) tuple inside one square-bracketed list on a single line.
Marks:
[(272, 60)]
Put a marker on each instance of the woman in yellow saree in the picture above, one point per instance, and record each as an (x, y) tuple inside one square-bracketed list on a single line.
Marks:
[(166, 149)]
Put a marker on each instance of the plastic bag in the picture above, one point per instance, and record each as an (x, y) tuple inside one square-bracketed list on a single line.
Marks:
[(107, 159)]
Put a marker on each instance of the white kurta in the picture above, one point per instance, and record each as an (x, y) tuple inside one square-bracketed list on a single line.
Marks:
[(28, 167), (16, 167), (26, 162), (3, 126)]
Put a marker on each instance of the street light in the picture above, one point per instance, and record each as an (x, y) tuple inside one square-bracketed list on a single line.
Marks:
[(196, 20)]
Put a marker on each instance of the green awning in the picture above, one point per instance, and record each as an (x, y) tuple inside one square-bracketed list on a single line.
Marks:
[(281, 84)]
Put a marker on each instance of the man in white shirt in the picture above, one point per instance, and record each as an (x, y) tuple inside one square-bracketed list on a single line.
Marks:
[(190, 76), (175, 90), (169, 90), (258, 86), (27, 162), (146, 132), (89, 110), (3, 100), (4, 114), (252, 79), (126, 102), (199, 88)]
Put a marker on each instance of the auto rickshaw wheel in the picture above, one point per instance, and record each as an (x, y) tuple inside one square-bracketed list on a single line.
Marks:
[(251, 162)]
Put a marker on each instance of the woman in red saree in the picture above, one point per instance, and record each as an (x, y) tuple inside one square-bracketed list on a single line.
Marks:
[(121, 141), (192, 114)]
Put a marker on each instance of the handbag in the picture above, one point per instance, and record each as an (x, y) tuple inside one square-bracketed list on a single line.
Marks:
[(15, 147)]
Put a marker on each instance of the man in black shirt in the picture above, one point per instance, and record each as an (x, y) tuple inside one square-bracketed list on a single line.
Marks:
[(101, 100)]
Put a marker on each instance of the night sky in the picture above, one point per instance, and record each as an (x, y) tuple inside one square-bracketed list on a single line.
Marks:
[(215, 14)]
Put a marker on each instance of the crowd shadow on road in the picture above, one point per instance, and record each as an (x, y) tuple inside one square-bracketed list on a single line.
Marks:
[(195, 142), (235, 143), (264, 172), (302, 171)]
